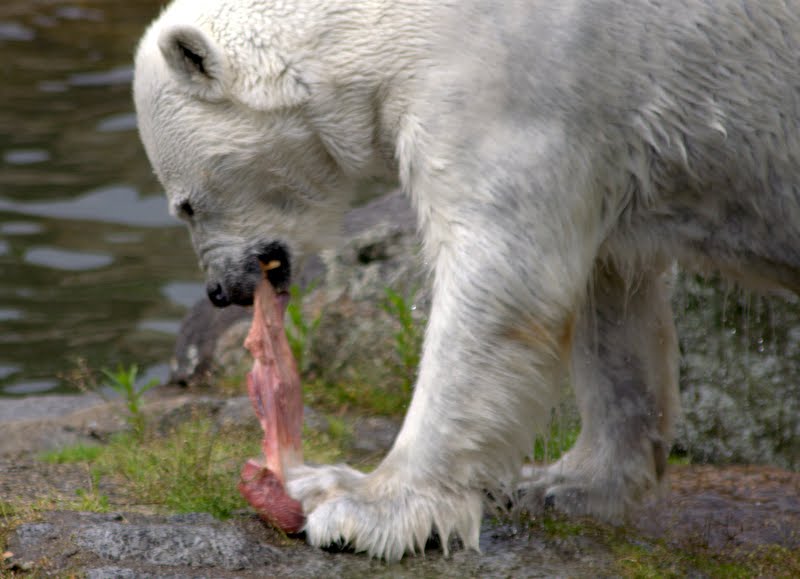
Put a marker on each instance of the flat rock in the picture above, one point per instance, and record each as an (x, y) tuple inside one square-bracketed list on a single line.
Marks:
[(124, 545), (43, 407)]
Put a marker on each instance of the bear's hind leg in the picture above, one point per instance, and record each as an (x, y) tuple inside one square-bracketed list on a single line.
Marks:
[(625, 372)]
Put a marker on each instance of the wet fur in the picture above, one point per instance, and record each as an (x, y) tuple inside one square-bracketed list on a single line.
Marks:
[(558, 162)]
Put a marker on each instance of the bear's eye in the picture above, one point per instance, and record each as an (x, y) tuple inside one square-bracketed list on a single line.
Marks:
[(192, 57), (185, 209)]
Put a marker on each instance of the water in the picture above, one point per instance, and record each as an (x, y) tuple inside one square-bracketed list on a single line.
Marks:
[(91, 264)]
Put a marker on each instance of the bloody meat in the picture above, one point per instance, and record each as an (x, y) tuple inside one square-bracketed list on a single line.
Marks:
[(274, 388)]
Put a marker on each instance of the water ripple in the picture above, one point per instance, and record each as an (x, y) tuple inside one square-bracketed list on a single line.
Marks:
[(113, 204), (63, 259)]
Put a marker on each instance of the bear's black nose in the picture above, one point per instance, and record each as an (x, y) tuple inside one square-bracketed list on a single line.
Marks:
[(217, 295)]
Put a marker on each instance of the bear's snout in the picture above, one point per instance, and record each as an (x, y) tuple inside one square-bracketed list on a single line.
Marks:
[(241, 277)]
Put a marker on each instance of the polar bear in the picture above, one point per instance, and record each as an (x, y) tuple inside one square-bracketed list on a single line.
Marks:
[(559, 155)]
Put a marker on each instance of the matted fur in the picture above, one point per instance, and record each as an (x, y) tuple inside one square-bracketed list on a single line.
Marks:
[(560, 156)]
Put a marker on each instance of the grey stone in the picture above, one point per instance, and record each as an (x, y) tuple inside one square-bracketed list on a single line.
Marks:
[(33, 534), (123, 573), (175, 545), (39, 407), (239, 411), (154, 547), (740, 375), (374, 434), (197, 359)]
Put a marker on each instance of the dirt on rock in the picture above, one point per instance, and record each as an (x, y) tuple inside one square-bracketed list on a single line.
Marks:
[(727, 507)]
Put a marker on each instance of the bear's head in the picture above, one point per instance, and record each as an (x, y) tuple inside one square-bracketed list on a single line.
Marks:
[(254, 138)]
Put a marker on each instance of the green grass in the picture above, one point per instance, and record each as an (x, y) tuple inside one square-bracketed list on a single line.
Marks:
[(70, 454), (558, 527), (300, 330), (193, 468), (655, 560), (560, 438), (357, 397), (644, 558), (90, 500), (329, 446), (408, 338)]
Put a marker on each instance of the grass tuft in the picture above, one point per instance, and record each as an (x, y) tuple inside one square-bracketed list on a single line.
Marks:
[(408, 338), (72, 454), (193, 469), (300, 330), (560, 438), (358, 397)]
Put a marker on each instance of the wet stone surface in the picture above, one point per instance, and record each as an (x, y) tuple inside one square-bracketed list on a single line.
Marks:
[(125, 545)]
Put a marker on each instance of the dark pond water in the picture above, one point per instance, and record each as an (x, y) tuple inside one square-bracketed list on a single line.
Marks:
[(91, 264)]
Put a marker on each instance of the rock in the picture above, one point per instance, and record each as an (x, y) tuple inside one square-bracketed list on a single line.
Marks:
[(38, 423), (175, 544), (209, 339), (374, 434), (740, 375), (37, 407), (152, 546), (33, 534)]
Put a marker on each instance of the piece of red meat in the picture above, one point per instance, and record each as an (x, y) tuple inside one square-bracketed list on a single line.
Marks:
[(274, 388)]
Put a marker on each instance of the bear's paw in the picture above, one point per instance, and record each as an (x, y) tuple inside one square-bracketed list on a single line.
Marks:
[(381, 513)]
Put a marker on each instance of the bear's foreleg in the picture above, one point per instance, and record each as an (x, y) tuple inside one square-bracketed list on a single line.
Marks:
[(500, 332)]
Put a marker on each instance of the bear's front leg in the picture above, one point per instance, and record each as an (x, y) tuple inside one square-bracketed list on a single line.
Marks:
[(487, 380)]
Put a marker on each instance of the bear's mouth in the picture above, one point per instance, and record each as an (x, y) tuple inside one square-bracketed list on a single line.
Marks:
[(274, 263)]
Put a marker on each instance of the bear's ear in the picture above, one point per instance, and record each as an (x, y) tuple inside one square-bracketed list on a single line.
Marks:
[(193, 56)]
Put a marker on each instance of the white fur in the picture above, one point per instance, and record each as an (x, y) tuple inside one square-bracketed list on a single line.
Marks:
[(559, 155)]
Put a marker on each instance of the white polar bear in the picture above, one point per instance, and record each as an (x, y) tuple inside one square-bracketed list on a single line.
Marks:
[(560, 155)]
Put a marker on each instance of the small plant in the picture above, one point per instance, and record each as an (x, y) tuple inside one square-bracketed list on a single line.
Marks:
[(408, 339), (299, 331), (123, 382)]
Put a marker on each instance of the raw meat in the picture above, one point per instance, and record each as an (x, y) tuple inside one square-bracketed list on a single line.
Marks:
[(274, 388)]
